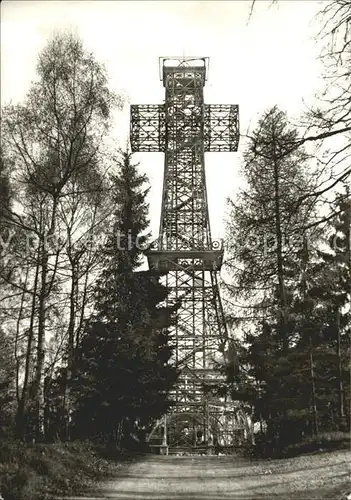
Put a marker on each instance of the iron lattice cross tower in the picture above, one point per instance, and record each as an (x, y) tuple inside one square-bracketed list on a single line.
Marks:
[(184, 128)]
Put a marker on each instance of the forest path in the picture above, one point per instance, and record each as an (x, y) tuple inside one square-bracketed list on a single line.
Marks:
[(321, 476)]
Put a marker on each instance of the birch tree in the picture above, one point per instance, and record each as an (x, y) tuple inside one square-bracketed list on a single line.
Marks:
[(55, 141)]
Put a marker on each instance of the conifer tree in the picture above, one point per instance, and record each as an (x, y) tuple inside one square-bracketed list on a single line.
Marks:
[(123, 358), (293, 359), (333, 291), (266, 234)]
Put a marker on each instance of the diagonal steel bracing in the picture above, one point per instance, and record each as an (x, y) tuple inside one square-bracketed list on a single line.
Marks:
[(184, 128)]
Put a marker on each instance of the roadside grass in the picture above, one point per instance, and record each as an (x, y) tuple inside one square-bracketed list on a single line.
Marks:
[(327, 441), (37, 472)]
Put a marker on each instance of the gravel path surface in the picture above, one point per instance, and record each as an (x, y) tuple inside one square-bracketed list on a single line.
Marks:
[(322, 476)]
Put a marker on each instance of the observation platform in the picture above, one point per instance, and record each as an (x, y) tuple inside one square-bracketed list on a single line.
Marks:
[(176, 260)]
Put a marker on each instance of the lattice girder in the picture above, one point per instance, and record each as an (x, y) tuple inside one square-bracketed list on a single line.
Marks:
[(212, 127), (147, 132), (221, 127)]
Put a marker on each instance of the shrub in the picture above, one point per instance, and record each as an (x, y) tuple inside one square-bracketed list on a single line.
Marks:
[(328, 441), (31, 472)]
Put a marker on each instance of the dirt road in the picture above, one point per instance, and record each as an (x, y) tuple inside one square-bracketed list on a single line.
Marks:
[(323, 476)]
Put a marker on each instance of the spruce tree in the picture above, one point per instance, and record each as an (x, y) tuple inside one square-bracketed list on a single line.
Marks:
[(333, 292), (123, 358)]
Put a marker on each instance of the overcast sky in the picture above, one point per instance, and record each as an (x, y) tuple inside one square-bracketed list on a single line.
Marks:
[(270, 60)]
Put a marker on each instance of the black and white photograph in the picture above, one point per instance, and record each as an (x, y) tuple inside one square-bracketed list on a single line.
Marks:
[(175, 250)]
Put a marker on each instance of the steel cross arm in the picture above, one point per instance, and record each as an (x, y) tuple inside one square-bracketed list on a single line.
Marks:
[(148, 132), (147, 127)]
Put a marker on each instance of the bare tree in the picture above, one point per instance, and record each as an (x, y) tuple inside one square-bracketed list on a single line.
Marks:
[(328, 122), (326, 125), (54, 140)]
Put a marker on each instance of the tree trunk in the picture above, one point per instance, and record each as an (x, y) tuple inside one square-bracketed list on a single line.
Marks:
[(313, 393), (279, 255), (340, 381), (306, 323), (70, 352), (20, 414), (44, 292), (39, 371), (19, 319)]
